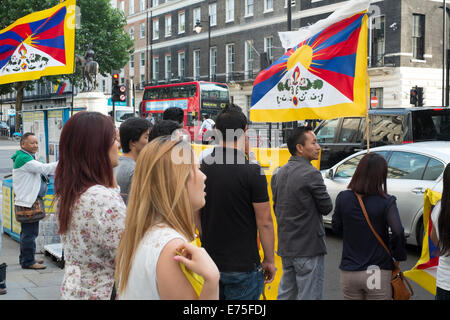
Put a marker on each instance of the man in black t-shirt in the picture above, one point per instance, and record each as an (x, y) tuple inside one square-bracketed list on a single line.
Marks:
[(237, 207)]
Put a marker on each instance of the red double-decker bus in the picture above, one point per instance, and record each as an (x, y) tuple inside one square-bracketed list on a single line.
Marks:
[(196, 98)]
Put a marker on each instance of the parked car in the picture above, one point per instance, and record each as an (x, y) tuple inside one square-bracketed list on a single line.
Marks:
[(342, 137), (412, 168)]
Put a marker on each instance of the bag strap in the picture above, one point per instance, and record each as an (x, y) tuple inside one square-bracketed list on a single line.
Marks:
[(361, 203)]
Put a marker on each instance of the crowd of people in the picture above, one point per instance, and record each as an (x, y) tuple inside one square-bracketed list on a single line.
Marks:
[(129, 224)]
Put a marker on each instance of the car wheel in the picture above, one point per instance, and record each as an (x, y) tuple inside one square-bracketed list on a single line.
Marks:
[(420, 234)]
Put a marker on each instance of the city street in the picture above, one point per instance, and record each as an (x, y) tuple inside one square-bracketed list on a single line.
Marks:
[(44, 284)]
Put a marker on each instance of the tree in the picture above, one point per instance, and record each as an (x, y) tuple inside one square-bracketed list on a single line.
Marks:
[(101, 26)]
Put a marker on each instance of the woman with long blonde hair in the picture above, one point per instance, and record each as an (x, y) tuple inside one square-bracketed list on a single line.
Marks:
[(167, 188)]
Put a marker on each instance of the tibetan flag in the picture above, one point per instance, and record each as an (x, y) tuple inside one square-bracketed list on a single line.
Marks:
[(60, 87), (424, 272), (39, 44), (322, 75)]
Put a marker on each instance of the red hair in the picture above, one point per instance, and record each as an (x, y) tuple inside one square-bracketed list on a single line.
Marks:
[(83, 161)]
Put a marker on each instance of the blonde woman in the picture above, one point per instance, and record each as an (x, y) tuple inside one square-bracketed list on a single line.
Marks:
[(167, 188)]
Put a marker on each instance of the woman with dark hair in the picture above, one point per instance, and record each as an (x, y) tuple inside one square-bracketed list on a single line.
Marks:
[(89, 208), (440, 234), (366, 267)]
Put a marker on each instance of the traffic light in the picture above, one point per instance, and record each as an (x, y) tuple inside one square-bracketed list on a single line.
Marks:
[(419, 96), (416, 96), (118, 91), (413, 96)]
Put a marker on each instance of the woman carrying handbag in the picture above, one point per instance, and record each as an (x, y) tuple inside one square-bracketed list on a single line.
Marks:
[(366, 266)]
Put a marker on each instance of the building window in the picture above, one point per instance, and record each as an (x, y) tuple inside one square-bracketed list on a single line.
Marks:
[(268, 5), (248, 8), (181, 22), (131, 7), (168, 67), (268, 48), (155, 29), (213, 14), (229, 61), (132, 33), (142, 5), (181, 61), (213, 63), (377, 92), (142, 30), (155, 2), (142, 59), (248, 59), (131, 61), (155, 75), (418, 36), (196, 64), (229, 10), (142, 83), (378, 43), (168, 26), (196, 15), (122, 6), (104, 85)]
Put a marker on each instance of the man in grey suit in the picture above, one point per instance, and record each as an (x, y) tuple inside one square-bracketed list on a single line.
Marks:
[(300, 200)]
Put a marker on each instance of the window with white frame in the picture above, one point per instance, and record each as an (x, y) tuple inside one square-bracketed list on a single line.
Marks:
[(196, 16), (155, 3), (248, 59), (122, 6), (268, 5), (131, 61), (104, 85), (132, 33), (142, 30), (168, 26), (181, 22), (155, 75), (142, 5), (213, 62), (142, 83), (131, 7), (155, 29), (229, 10), (196, 71), (181, 62), (229, 67), (268, 48), (213, 14), (168, 67), (249, 8), (418, 36), (142, 59)]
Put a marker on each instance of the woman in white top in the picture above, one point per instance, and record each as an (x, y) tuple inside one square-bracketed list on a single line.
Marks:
[(89, 208), (167, 188), (440, 234)]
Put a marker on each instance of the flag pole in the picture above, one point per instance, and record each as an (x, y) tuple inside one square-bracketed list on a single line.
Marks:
[(367, 111)]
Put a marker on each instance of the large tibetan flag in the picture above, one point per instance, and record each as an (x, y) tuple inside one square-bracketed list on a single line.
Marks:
[(39, 44), (322, 75), (424, 272)]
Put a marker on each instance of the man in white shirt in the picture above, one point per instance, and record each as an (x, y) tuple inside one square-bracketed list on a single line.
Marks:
[(207, 125)]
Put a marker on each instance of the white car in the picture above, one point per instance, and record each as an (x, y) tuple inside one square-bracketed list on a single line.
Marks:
[(412, 168)]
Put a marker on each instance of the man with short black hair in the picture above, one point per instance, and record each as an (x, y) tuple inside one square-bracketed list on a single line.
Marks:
[(300, 199), (134, 134), (237, 207), (30, 179), (174, 113), (164, 128)]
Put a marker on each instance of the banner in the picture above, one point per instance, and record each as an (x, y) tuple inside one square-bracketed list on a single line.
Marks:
[(322, 76), (424, 272), (39, 44)]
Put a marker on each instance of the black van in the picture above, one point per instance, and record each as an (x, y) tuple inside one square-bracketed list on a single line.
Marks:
[(342, 137)]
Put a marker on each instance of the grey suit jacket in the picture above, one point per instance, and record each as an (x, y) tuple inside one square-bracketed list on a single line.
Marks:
[(300, 199)]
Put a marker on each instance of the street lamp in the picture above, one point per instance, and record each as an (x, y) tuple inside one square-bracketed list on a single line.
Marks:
[(198, 28)]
